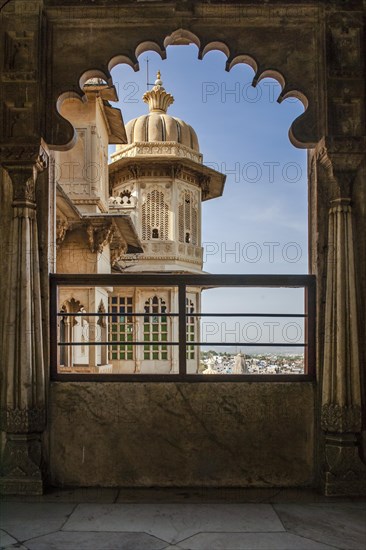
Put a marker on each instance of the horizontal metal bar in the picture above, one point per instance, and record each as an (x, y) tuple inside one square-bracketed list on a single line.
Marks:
[(274, 344), (160, 343), (187, 279), (116, 314), (118, 343), (119, 314), (246, 315)]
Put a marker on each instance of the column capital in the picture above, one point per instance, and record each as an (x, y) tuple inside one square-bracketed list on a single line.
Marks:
[(23, 166), (341, 159)]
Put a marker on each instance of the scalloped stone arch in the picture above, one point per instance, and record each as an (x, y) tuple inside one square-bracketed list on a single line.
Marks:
[(304, 131)]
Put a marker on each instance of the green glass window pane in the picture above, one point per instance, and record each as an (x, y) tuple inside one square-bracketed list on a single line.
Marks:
[(146, 338), (155, 347), (163, 319), (114, 347), (129, 337), (192, 328), (146, 355), (146, 348), (114, 355), (114, 337), (155, 327), (164, 337), (129, 347), (114, 328), (164, 328), (146, 328), (164, 347), (192, 338), (155, 337), (155, 356), (164, 355), (130, 355)]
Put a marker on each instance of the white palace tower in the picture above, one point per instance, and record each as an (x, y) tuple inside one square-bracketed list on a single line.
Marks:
[(160, 179)]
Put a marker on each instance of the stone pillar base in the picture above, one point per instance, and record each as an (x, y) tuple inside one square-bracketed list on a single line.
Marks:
[(345, 473), (20, 469), (20, 486)]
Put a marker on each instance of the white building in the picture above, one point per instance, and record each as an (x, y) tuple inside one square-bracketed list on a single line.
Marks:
[(149, 221)]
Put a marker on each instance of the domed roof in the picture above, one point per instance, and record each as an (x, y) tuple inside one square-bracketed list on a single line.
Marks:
[(158, 125)]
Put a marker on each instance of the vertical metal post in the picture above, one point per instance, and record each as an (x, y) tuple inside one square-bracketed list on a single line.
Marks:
[(182, 329), (53, 328), (310, 329)]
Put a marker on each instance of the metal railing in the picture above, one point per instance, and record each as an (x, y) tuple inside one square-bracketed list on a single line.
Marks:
[(181, 282)]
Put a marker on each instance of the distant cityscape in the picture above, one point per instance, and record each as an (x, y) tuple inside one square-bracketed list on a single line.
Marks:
[(254, 363)]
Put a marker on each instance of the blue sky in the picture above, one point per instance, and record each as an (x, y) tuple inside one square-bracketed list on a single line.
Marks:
[(262, 215)]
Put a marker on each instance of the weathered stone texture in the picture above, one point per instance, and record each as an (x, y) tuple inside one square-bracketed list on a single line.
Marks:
[(167, 434)]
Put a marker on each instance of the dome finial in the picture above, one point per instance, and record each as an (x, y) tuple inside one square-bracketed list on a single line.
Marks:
[(157, 98)]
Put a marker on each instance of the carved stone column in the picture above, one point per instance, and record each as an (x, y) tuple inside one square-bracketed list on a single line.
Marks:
[(345, 473), (23, 385)]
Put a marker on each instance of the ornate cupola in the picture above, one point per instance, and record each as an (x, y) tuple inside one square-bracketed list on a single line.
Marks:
[(160, 180)]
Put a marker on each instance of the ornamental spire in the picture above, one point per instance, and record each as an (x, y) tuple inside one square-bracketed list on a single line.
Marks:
[(157, 98)]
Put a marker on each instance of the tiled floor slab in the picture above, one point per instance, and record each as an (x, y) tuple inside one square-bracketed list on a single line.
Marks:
[(66, 540), (16, 546), (26, 520), (341, 525), (251, 541), (174, 522), (6, 539), (82, 494), (196, 495)]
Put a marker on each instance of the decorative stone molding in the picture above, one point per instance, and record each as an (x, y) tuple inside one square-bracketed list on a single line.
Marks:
[(25, 420), (164, 148), (338, 418), (20, 152)]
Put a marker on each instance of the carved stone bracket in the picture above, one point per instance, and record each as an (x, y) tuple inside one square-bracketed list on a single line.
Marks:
[(62, 227), (341, 158), (99, 236), (205, 185), (117, 253)]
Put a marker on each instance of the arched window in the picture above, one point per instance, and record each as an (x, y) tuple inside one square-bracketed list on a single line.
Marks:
[(155, 216), (188, 219), (121, 328), (155, 329)]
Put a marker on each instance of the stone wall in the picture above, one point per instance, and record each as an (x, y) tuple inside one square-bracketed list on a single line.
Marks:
[(182, 434)]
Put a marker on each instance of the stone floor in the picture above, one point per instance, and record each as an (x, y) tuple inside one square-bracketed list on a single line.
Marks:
[(153, 519)]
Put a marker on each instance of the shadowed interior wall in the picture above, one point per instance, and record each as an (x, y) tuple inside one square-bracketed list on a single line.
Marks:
[(181, 434)]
